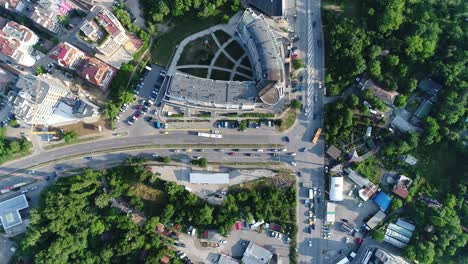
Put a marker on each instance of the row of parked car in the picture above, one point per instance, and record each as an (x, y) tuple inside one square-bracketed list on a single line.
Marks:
[(236, 124)]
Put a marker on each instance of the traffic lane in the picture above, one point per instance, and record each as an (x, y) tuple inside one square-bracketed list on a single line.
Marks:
[(102, 145), (106, 160)]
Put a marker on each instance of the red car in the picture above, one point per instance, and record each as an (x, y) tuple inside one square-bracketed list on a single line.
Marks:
[(137, 116), (231, 153), (294, 56), (139, 107)]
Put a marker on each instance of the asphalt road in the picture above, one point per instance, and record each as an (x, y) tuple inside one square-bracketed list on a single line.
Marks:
[(310, 162)]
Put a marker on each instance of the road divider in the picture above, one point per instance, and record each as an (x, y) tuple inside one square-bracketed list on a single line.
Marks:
[(143, 147)]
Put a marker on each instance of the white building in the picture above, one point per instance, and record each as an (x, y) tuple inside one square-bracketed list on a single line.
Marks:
[(16, 43), (331, 213), (336, 189), (266, 53)]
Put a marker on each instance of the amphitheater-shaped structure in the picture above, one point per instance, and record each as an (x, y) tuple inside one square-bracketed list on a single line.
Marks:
[(197, 86)]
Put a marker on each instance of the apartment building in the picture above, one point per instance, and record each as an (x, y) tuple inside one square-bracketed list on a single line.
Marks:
[(67, 55), (35, 99), (117, 36), (97, 72), (16, 44)]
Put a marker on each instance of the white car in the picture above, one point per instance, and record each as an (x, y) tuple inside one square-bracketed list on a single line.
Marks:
[(293, 163), (24, 191), (33, 188), (293, 154), (284, 150), (310, 243), (360, 204), (260, 150)]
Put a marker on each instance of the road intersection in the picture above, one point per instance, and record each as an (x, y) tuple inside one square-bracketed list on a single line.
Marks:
[(309, 159)]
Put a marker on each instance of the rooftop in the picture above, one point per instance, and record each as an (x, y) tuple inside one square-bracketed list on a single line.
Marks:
[(376, 219), (336, 189), (430, 87), (382, 200), (255, 254), (211, 92), (96, 72), (67, 55), (267, 46), (210, 178), (387, 96), (9, 211)]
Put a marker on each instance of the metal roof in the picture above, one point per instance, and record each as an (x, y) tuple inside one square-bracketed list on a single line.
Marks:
[(405, 225), (9, 211), (336, 189), (255, 254), (211, 178), (382, 200), (376, 219)]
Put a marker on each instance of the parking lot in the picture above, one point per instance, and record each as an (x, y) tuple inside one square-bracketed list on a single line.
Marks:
[(340, 242), (139, 117), (235, 246)]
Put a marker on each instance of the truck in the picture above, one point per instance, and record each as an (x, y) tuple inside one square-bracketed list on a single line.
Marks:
[(209, 135), (311, 194)]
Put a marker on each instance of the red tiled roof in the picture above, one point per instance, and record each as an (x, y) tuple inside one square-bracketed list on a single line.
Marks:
[(107, 23), (95, 71), (165, 259), (401, 191), (65, 54)]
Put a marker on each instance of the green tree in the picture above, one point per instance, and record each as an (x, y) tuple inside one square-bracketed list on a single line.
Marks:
[(40, 70), (102, 200), (296, 104), (378, 235), (375, 70), (400, 100), (70, 136), (205, 216), (352, 101)]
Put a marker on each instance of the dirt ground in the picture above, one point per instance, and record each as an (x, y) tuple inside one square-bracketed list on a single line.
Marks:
[(86, 129)]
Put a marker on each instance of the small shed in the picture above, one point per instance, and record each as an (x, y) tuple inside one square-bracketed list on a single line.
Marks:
[(334, 152)]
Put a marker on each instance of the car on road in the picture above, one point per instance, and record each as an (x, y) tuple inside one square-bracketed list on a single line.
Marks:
[(360, 204), (310, 243), (298, 173), (286, 139), (231, 153), (88, 158), (24, 191), (293, 163), (326, 169), (314, 23), (60, 168), (293, 154), (33, 188)]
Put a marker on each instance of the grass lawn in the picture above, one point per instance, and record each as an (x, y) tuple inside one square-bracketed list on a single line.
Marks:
[(241, 78), (222, 36), (199, 72), (370, 168), (246, 62), (220, 75), (154, 200), (235, 50), (288, 120), (185, 26), (244, 71), (224, 62), (196, 52)]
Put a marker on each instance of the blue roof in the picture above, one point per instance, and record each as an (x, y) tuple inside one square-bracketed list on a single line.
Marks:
[(382, 200)]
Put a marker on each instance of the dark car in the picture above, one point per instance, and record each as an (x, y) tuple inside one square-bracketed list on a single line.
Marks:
[(88, 158), (299, 173), (286, 139), (314, 24)]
